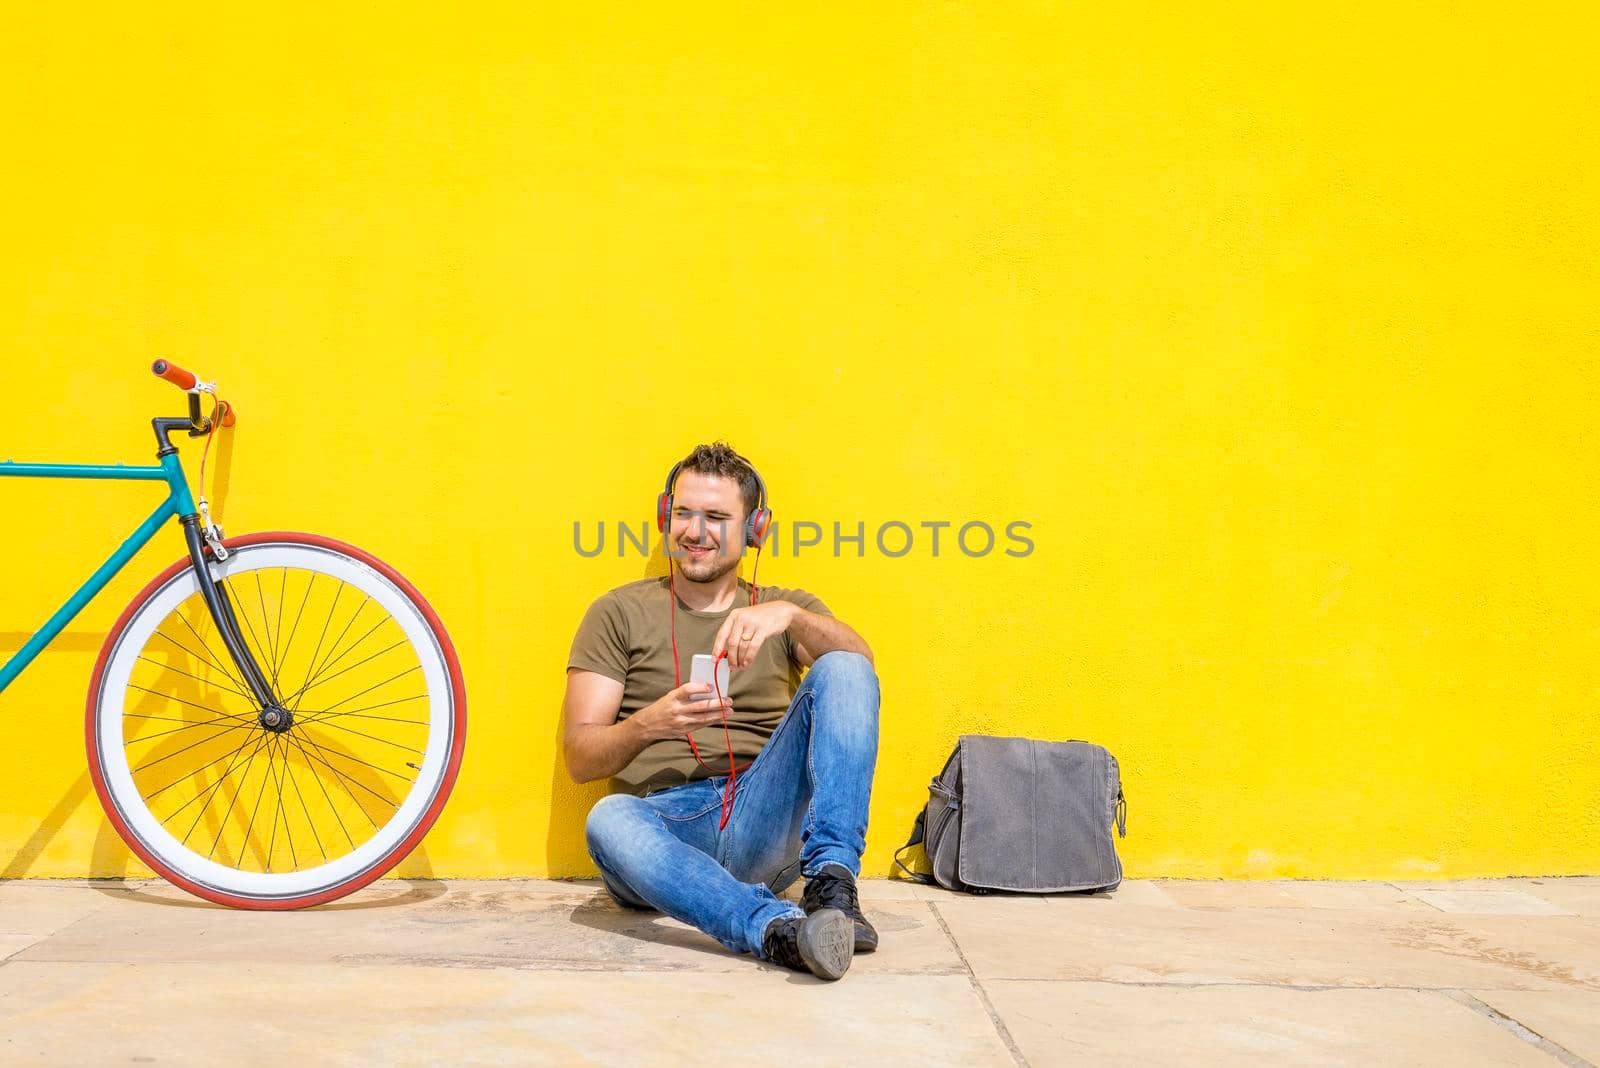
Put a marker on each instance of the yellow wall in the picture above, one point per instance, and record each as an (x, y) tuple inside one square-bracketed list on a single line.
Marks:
[(1280, 330)]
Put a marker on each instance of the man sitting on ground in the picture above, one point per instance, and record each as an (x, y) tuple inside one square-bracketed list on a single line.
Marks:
[(805, 750)]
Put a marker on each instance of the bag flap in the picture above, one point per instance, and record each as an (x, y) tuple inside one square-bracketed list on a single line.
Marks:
[(1037, 815)]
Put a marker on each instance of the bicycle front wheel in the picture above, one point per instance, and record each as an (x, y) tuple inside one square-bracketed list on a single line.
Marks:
[(272, 817)]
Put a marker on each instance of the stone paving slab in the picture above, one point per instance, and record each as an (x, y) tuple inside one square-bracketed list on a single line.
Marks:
[(12, 944), (1529, 884), (1577, 894), (1056, 1023), (36, 910), (1569, 1018), (1490, 902), (1278, 894), (488, 924), (253, 1012), (1562, 949), (1280, 947), (1139, 892), (1581, 897)]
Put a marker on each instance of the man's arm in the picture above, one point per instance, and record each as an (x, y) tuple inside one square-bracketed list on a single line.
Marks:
[(597, 745), (812, 632)]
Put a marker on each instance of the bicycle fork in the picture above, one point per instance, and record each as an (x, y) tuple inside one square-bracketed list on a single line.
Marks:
[(274, 715)]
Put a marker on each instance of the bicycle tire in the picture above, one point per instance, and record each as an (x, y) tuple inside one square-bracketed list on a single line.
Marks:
[(108, 722)]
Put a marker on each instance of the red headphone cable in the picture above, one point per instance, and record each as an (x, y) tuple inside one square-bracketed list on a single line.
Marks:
[(731, 792)]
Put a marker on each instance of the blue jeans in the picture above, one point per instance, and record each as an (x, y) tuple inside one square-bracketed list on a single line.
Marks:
[(800, 805)]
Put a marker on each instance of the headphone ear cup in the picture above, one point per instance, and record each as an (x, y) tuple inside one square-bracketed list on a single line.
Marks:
[(663, 510), (756, 527)]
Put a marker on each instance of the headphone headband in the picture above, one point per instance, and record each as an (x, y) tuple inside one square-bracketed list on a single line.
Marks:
[(761, 486)]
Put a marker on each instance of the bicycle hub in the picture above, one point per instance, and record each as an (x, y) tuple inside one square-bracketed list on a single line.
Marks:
[(276, 718)]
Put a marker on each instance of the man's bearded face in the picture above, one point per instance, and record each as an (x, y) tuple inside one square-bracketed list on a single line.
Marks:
[(706, 535)]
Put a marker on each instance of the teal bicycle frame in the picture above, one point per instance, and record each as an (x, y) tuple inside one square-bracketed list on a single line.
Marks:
[(179, 503)]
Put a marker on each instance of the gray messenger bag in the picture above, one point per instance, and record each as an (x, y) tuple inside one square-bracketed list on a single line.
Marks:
[(1022, 815)]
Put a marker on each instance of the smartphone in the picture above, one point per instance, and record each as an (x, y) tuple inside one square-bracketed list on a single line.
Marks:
[(700, 671)]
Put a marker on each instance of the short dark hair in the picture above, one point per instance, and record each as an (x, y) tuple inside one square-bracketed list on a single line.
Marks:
[(719, 458)]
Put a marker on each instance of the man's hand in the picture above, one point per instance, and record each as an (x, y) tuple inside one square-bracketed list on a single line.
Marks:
[(745, 629), (598, 745), (679, 712)]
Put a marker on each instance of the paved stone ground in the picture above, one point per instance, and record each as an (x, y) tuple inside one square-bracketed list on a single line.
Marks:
[(519, 972)]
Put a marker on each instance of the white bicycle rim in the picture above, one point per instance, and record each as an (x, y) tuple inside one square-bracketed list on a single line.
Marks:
[(267, 886)]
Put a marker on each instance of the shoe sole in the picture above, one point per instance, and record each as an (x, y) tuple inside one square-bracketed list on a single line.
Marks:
[(866, 938), (827, 943)]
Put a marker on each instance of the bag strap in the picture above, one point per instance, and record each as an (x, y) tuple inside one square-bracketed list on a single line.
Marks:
[(919, 828), (916, 837)]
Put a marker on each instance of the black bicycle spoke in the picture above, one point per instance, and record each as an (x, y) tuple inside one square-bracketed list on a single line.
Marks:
[(288, 836), (189, 774), (177, 719), (362, 713), (374, 686), (272, 645), (323, 754), (190, 675), (319, 680), (241, 614), (183, 701), (211, 791), (277, 783), (365, 708), (345, 780), (334, 652), (330, 659), (295, 627), (367, 763), (283, 588), (324, 788), (374, 737), (328, 713), (221, 662), (288, 771), (191, 745), (352, 667), (191, 726), (206, 659), (353, 646), (312, 664), (244, 777), (244, 843)]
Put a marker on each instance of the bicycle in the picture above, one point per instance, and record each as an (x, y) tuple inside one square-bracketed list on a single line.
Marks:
[(270, 773)]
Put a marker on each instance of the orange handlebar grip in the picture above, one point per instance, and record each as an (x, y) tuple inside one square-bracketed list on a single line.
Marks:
[(227, 414), (173, 373)]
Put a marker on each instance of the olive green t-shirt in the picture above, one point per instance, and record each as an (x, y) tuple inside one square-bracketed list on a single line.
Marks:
[(626, 635)]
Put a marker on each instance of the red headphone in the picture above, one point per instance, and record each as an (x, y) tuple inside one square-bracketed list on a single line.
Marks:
[(756, 524)]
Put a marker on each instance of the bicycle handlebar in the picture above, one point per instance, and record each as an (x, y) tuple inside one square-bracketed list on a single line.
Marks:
[(174, 374), (187, 380)]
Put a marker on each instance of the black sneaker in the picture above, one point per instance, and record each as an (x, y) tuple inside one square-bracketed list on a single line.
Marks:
[(835, 888), (819, 943)]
